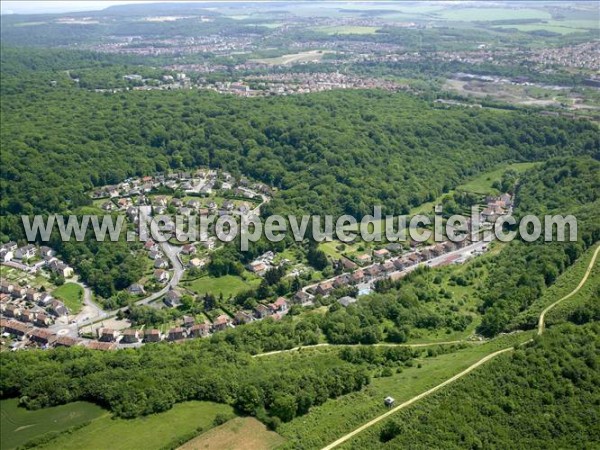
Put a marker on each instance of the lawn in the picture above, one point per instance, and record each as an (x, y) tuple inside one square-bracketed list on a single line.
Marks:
[(20, 425), (227, 285), (72, 296), (327, 422), (241, 433), (150, 433)]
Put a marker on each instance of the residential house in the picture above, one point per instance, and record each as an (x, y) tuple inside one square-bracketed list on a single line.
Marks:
[(26, 252), (43, 320), (324, 288), (162, 276), (388, 266), (172, 299), (67, 341), (10, 246), (346, 301), (381, 254), (19, 292), (242, 317), (6, 255), (372, 271), (199, 330), (15, 328), (58, 308), (160, 263), (136, 289), (301, 297), (104, 346), (32, 295), (347, 264), (108, 206), (130, 336), (341, 281), (41, 336), (176, 334), (12, 311), (281, 305), (60, 268), (399, 264), (107, 335), (152, 335), (27, 316), (6, 287), (197, 263), (357, 276), (45, 300), (188, 249), (261, 311), (150, 245), (221, 322), (257, 267), (363, 259), (154, 254), (188, 321)]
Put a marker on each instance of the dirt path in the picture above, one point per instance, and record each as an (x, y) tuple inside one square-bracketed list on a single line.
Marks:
[(485, 359), (381, 344), (541, 323)]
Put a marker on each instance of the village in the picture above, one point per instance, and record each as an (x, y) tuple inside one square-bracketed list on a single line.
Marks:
[(33, 318)]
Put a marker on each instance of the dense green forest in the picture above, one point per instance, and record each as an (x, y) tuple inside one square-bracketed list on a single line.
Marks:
[(523, 270), (545, 394), (331, 152)]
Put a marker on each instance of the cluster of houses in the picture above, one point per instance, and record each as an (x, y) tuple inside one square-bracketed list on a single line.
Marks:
[(29, 305), (189, 329), (20, 257), (31, 335), (263, 263), (496, 207), (385, 267)]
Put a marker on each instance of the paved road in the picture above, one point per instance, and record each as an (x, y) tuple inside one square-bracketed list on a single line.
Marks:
[(541, 327)]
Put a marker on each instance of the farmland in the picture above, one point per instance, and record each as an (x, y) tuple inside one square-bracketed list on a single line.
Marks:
[(20, 425), (150, 432), (245, 433)]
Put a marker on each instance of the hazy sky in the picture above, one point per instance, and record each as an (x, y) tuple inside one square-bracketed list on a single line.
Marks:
[(40, 7)]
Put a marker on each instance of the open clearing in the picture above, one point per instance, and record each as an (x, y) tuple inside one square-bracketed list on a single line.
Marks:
[(241, 433), (309, 56), (72, 296), (20, 425), (327, 422), (227, 285), (151, 432), (488, 14)]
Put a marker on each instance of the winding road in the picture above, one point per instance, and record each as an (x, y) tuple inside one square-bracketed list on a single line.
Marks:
[(541, 327)]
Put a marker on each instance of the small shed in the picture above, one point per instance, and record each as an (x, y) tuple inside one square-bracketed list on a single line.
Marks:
[(388, 401)]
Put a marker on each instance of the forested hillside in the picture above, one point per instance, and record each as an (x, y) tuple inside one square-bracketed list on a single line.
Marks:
[(544, 395), (336, 152), (522, 271)]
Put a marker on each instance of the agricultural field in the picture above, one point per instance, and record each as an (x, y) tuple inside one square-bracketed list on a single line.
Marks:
[(243, 433), (150, 432), (20, 425), (72, 296), (332, 30), (489, 14)]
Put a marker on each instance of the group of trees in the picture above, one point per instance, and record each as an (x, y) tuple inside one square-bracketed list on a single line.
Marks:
[(543, 394), (520, 273)]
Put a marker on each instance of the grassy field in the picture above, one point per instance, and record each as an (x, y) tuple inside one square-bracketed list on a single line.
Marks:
[(150, 433), (482, 184), (557, 26), (487, 14), (311, 55), (72, 296), (241, 433), (327, 422), (19, 425), (347, 30), (226, 285)]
